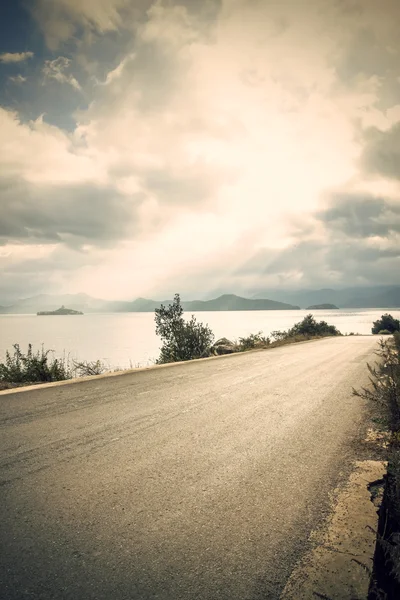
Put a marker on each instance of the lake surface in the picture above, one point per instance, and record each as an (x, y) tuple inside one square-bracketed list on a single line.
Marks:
[(129, 339)]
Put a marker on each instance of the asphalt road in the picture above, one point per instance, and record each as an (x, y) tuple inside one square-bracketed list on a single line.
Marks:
[(196, 481)]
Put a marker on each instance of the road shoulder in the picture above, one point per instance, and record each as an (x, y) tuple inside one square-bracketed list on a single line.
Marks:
[(339, 565)]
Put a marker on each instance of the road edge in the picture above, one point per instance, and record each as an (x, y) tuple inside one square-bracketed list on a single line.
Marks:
[(108, 374)]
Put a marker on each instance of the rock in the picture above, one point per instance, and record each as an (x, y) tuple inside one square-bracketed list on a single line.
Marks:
[(223, 346), (221, 349), (223, 342)]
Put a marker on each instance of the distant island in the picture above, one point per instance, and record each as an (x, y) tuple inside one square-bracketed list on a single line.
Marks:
[(322, 307), (59, 311)]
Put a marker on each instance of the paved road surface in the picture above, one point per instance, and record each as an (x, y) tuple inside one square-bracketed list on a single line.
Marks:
[(197, 481)]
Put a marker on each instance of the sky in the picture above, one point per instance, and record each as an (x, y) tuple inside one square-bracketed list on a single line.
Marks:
[(153, 147)]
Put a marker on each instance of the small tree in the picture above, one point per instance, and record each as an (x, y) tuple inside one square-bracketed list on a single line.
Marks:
[(386, 322), (182, 340)]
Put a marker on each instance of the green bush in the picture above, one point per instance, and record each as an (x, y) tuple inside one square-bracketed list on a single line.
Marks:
[(384, 332), (308, 328), (279, 336), (384, 385), (33, 367), (254, 340), (386, 322), (182, 340)]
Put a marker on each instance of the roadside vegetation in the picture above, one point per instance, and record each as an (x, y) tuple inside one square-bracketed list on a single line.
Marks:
[(181, 340), (385, 391), (32, 367), (187, 340), (307, 328), (41, 366), (386, 325)]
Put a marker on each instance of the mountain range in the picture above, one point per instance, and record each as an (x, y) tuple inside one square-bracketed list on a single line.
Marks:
[(87, 304), (384, 297), (352, 297)]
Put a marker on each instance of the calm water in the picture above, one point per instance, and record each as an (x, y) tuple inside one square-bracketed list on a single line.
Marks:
[(121, 340)]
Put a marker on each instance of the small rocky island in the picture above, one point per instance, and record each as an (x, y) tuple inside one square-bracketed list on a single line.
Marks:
[(322, 307), (60, 311)]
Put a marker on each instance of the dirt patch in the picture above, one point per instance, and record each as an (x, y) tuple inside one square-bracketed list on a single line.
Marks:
[(339, 565)]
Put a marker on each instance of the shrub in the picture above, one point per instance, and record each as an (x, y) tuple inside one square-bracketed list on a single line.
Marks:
[(308, 328), (279, 335), (396, 339), (384, 388), (385, 382), (85, 368), (182, 340), (384, 332), (254, 340), (33, 367), (386, 322)]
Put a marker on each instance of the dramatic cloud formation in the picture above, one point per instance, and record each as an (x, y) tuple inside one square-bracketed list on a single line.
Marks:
[(226, 145)]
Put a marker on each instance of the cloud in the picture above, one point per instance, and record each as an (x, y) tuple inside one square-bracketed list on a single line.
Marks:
[(361, 237), (28, 270), (73, 216), (18, 79), (371, 46), (381, 154), (354, 239), (316, 264), (40, 153), (15, 57), (60, 20), (51, 192), (361, 216), (63, 20), (117, 72), (55, 69)]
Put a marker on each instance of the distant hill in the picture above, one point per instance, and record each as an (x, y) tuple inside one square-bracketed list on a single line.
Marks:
[(225, 302), (389, 298), (232, 302), (87, 304), (322, 307), (352, 297)]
